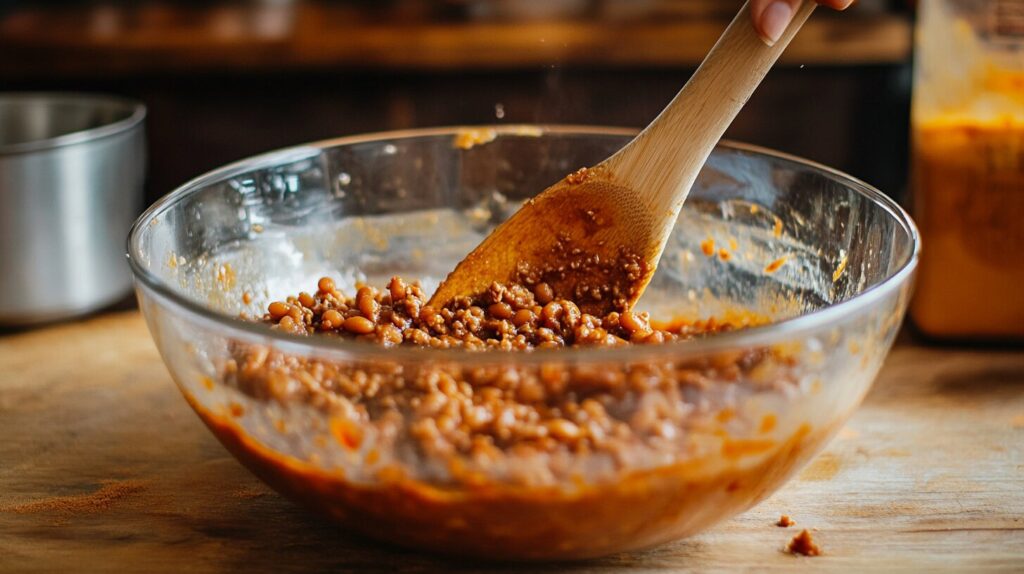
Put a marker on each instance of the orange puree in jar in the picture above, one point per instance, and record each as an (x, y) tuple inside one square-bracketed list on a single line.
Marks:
[(968, 179), (968, 169)]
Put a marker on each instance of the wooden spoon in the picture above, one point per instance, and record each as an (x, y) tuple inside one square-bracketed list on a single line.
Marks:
[(596, 236)]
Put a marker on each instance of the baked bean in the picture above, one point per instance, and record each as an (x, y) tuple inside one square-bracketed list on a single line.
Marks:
[(563, 430), (326, 285), (397, 289), (331, 319), (552, 314), (278, 309), (544, 293), (367, 304), (359, 325), (306, 300), (287, 324), (522, 317), (501, 311), (633, 324)]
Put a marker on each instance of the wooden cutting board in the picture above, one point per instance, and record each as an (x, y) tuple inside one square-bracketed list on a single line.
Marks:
[(103, 467)]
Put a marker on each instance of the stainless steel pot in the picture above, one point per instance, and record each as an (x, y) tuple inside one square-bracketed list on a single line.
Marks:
[(71, 175)]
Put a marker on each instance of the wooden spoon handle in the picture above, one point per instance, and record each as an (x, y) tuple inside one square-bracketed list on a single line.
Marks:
[(663, 161)]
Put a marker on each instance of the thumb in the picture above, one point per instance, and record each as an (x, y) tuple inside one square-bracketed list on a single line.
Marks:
[(772, 17)]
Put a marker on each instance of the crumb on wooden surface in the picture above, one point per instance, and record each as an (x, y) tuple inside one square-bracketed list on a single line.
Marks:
[(785, 521), (803, 544)]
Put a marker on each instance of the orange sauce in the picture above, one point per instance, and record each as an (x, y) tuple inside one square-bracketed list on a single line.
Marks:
[(968, 177)]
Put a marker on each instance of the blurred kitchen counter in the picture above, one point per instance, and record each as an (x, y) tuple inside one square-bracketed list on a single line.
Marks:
[(90, 39), (103, 467)]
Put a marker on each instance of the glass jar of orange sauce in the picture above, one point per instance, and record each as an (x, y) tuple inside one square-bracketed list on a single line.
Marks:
[(968, 168)]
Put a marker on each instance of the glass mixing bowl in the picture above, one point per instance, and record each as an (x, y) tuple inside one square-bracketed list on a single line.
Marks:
[(714, 424)]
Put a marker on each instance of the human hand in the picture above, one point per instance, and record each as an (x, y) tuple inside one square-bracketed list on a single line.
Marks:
[(771, 17)]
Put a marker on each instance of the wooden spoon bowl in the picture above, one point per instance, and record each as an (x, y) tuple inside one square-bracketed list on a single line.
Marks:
[(596, 236)]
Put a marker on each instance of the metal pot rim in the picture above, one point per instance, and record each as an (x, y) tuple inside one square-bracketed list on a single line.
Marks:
[(136, 115)]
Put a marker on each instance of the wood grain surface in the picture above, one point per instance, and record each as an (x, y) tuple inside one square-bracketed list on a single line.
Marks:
[(103, 467)]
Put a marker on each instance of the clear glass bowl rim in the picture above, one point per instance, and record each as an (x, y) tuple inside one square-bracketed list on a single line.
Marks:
[(342, 350)]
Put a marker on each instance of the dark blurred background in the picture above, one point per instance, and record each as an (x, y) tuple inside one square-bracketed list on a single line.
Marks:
[(224, 80)]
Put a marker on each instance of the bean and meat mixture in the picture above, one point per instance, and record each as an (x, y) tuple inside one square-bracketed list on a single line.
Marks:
[(463, 421), (506, 317), (507, 458)]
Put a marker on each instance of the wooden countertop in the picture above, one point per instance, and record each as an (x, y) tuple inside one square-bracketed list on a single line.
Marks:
[(103, 466)]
